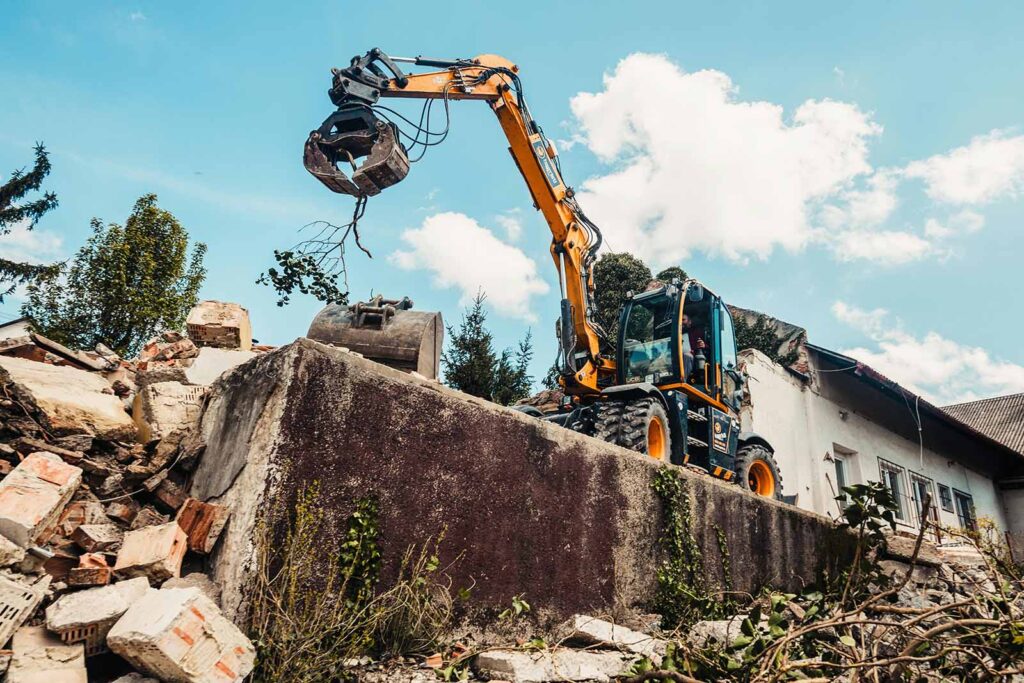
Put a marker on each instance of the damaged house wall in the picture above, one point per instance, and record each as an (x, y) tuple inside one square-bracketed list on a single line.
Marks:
[(841, 411), (531, 508)]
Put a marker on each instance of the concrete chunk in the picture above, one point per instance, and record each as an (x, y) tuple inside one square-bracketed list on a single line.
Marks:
[(592, 630), (93, 538), (221, 324), (40, 657), (34, 494), (178, 634), (520, 666), (155, 552), (164, 407), (70, 400), (211, 363), (10, 552), (87, 616)]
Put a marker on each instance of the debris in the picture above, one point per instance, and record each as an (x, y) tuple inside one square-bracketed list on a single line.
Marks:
[(40, 657), (203, 523), (123, 510), (196, 580), (594, 631), (79, 359), (18, 601), (155, 552), (213, 362), (147, 517), (170, 494), (164, 407), (86, 616), (178, 634), (134, 677), (722, 631), (221, 324), (69, 401), (10, 552), (552, 665), (92, 570), (93, 538), (27, 444), (34, 494), (161, 373), (80, 512), (898, 547)]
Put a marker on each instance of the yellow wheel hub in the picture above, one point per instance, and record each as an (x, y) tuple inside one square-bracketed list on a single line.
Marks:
[(656, 441), (760, 479)]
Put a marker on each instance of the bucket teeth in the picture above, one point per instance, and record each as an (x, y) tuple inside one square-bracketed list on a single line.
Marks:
[(350, 134)]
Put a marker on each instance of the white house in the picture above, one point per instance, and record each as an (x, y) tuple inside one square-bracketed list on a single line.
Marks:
[(835, 421)]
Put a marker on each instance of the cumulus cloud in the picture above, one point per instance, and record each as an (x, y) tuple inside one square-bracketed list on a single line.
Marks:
[(511, 222), (989, 167), (939, 369), (464, 255), (884, 247), (697, 168), (35, 246)]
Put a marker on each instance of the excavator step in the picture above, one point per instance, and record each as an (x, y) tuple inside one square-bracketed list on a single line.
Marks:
[(690, 441), (695, 416)]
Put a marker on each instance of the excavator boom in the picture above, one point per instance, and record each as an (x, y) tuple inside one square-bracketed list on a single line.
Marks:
[(354, 131)]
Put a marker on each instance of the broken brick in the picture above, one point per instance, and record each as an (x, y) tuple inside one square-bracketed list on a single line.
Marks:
[(148, 516), (95, 537), (92, 570), (222, 324), (34, 494), (203, 523), (123, 510), (155, 552)]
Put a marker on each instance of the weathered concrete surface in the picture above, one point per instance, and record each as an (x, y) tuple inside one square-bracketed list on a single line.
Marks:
[(569, 521), (519, 666)]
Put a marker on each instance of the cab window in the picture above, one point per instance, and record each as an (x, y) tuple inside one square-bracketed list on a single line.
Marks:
[(647, 340), (728, 339)]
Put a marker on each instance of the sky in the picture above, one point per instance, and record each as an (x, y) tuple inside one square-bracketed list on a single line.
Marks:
[(853, 168)]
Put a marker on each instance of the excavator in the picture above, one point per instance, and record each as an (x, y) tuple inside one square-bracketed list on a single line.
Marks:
[(668, 386)]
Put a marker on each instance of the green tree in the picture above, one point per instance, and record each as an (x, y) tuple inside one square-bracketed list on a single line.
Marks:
[(14, 273), (512, 380), (471, 365), (126, 284), (614, 276), (671, 273), (550, 380), (761, 335)]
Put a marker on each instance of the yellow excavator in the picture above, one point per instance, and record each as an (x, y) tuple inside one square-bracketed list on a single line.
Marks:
[(668, 387)]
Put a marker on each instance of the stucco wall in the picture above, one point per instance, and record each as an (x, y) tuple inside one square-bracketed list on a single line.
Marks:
[(526, 506), (805, 429)]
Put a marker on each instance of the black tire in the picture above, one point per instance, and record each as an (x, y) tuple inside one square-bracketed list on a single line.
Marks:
[(641, 425), (757, 471)]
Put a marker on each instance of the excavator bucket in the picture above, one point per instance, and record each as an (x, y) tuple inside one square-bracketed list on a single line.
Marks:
[(386, 331), (351, 134)]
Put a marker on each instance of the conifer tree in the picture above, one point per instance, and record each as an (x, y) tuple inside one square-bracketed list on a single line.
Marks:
[(28, 213)]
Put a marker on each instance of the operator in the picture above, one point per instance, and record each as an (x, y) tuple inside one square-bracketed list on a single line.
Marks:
[(692, 342)]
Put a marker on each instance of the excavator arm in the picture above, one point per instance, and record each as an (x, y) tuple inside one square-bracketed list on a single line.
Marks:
[(355, 131)]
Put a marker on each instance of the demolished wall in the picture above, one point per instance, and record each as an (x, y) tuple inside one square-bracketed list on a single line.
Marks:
[(528, 507)]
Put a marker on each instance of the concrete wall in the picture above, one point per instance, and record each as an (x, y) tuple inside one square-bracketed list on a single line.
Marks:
[(531, 508), (807, 430)]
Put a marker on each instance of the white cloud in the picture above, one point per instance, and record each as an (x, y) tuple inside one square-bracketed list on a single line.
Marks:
[(512, 223), (31, 246), (989, 167), (963, 223), (137, 16), (884, 247), (699, 169), (465, 255), (939, 369)]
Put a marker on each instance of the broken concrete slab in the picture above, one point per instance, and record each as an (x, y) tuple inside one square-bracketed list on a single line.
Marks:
[(40, 657), (559, 664), (155, 552), (178, 634), (70, 401), (134, 677), (530, 507), (221, 324), (212, 362), (196, 580), (594, 631), (86, 616), (721, 631), (165, 407), (899, 547), (33, 496), (10, 552)]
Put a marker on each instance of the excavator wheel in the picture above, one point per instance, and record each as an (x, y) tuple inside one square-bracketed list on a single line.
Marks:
[(641, 425), (757, 471)]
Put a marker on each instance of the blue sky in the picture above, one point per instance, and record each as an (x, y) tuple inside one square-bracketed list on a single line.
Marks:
[(855, 169)]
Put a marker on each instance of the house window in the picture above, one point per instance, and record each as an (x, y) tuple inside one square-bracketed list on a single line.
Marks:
[(895, 480), (945, 498), (840, 467), (922, 487), (965, 510)]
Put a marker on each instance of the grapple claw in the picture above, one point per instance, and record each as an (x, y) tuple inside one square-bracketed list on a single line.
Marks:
[(347, 135)]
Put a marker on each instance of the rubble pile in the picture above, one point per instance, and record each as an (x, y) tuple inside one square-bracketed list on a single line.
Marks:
[(101, 548)]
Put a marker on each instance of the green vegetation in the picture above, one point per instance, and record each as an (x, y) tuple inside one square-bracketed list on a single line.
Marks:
[(614, 276), (124, 286), (15, 273), (761, 335)]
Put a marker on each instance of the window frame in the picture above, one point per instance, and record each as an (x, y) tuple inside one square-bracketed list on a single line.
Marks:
[(973, 512), (946, 502), (899, 496), (913, 478)]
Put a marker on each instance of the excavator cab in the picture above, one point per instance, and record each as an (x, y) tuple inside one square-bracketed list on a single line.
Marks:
[(678, 388)]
